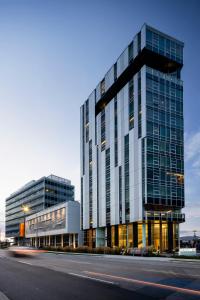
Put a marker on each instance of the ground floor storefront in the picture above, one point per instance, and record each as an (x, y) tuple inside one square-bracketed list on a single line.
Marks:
[(59, 240), (163, 236)]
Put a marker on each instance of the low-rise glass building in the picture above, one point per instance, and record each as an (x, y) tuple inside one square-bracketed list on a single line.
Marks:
[(35, 196)]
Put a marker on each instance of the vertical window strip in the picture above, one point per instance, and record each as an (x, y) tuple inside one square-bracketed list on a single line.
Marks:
[(120, 194), (87, 121), (139, 107), (131, 104), (139, 42), (115, 71), (130, 52), (126, 178), (143, 170), (97, 173), (90, 184), (116, 131), (103, 130), (83, 140), (107, 187), (82, 203)]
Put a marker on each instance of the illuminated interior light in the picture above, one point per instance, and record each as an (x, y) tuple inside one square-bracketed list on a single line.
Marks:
[(131, 119)]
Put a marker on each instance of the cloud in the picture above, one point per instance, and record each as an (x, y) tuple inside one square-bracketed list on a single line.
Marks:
[(192, 147)]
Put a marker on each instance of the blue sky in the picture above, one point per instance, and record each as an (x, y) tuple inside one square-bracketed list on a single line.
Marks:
[(53, 54)]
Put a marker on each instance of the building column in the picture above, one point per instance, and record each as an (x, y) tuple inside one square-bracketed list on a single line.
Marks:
[(70, 240), (62, 240), (144, 235), (54, 240), (74, 240), (135, 234), (116, 236), (149, 234), (170, 236), (161, 245)]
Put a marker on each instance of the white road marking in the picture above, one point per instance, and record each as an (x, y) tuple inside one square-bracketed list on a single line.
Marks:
[(25, 262), (92, 278), (79, 262)]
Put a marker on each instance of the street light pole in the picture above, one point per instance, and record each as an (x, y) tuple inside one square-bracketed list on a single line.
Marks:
[(25, 210)]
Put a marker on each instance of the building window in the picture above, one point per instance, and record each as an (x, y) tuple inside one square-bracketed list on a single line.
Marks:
[(90, 184), (87, 121), (103, 87), (82, 203), (139, 42), (126, 177), (139, 107), (116, 131), (107, 179), (130, 52), (103, 130), (164, 155), (120, 195), (83, 139), (115, 71), (131, 104)]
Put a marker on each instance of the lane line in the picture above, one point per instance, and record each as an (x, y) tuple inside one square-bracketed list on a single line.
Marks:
[(78, 262), (141, 282), (92, 278), (24, 262)]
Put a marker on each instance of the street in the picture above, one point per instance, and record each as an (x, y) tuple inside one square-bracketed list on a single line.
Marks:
[(69, 276)]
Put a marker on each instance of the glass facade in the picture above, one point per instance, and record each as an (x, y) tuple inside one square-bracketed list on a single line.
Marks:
[(165, 46), (36, 195), (48, 221), (107, 187), (55, 226), (164, 140), (126, 178), (90, 183)]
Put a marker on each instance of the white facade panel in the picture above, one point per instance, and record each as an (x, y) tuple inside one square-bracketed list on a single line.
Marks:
[(126, 110), (143, 36), (112, 161), (135, 46), (86, 189), (131, 172), (102, 196)]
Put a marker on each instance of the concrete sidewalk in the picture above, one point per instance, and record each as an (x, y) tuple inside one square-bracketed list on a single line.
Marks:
[(129, 257)]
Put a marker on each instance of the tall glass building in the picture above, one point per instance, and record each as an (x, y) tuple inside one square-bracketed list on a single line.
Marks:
[(36, 195), (132, 166)]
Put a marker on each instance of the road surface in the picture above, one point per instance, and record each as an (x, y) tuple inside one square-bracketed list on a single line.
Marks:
[(52, 276)]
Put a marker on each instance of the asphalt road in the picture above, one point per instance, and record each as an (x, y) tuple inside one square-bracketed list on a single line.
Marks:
[(67, 276)]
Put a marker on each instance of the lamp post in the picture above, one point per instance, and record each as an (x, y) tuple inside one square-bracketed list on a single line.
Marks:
[(25, 209)]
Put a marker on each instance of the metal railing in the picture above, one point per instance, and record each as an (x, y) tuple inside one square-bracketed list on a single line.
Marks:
[(165, 216)]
